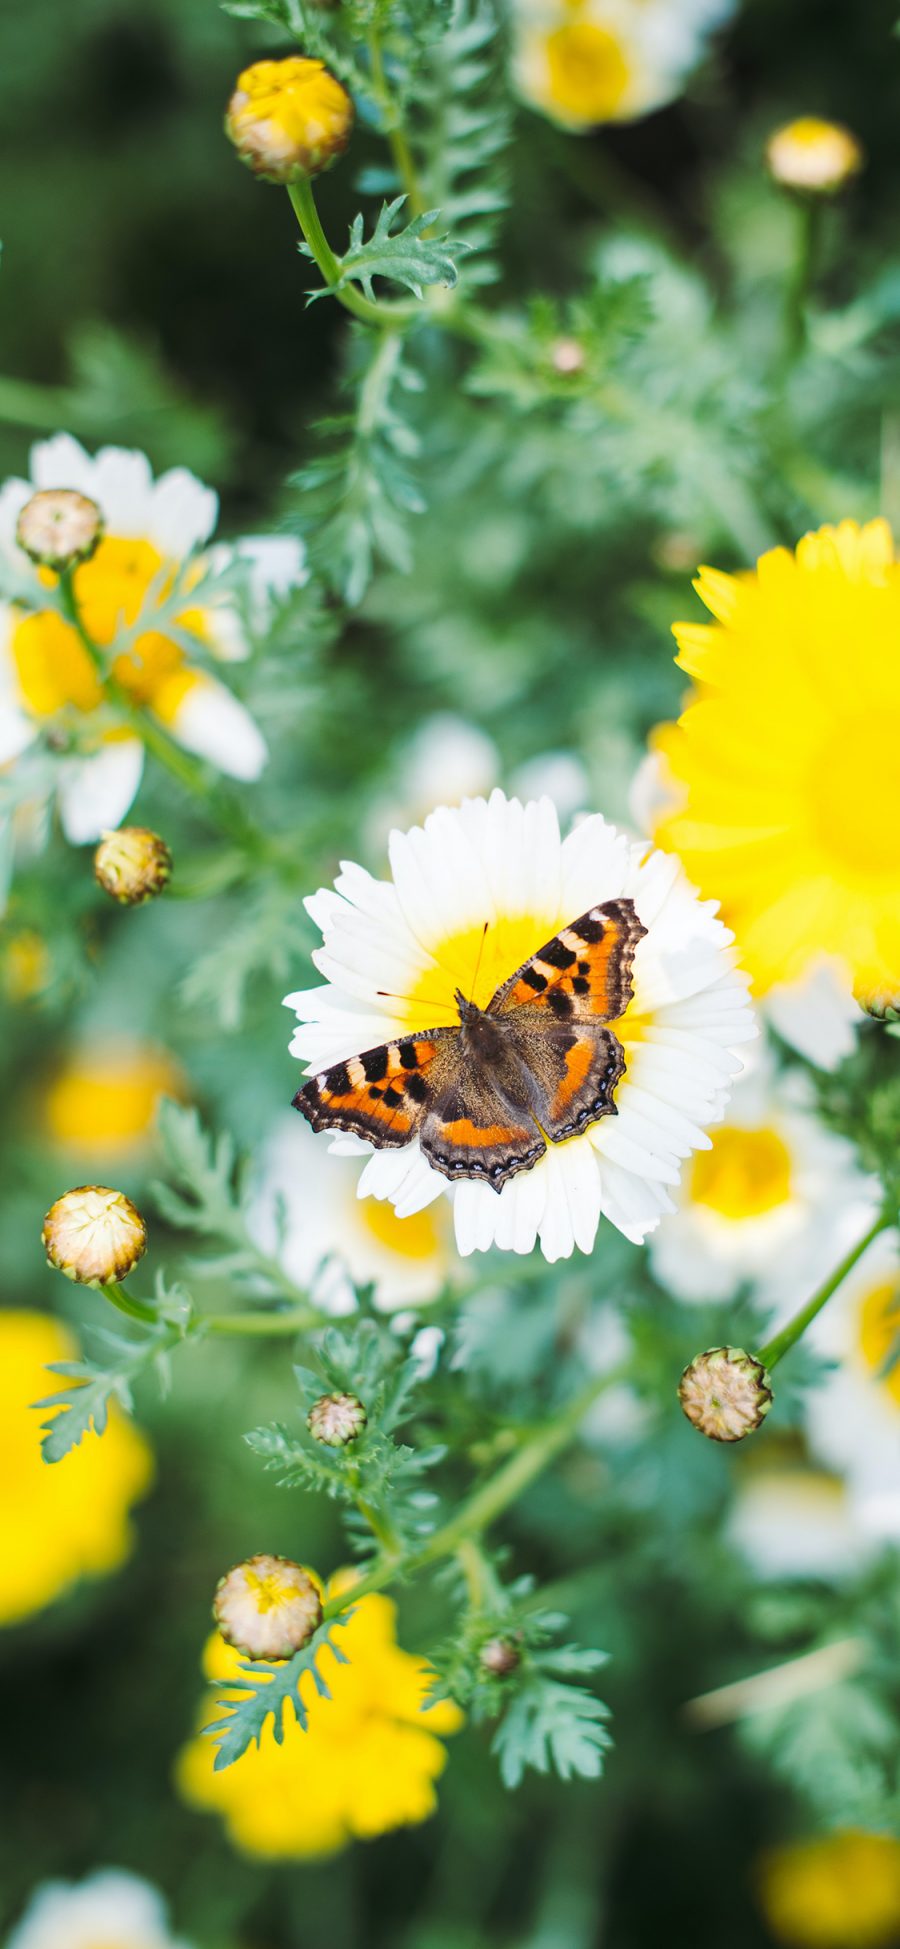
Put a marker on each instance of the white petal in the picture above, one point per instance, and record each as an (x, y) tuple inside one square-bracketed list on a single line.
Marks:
[(817, 1015), (211, 722), (96, 792), (182, 513), (62, 462), (122, 484)]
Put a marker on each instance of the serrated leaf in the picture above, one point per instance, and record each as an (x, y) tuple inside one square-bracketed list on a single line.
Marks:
[(549, 1726), (408, 256), (271, 1692)]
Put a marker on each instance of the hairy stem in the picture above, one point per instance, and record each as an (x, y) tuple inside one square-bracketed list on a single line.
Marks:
[(488, 1502), (398, 140)]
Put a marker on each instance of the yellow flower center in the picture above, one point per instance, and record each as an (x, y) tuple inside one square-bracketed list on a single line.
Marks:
[(269, 1591), (879, 1330), (476, 962), (587, 71), (415, 1237), (54, 668), (855, 795), (746, 1173)]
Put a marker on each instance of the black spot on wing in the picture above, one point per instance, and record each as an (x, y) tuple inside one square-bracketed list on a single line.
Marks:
[(580, 985), (338, 1079), (534, 980), (392, 1097), (557, 955), (560, 1004), (408, 1055), (417, 1088), (375, 1065), (589, 929)]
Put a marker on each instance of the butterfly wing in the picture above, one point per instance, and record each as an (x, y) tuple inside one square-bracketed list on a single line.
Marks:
[(584, 973), (383, 1094), (472, 1130), (556, 1007)]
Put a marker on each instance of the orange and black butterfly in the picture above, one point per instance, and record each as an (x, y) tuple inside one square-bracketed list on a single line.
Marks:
[(536, 1066)]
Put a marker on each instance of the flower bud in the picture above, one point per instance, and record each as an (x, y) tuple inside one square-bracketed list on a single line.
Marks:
[(336, 1419), (288, 119), (813, 157), (267, 1607), (132, 865), (725, 1393), (882, 1004), (94, 1235), (59, 528), (500, 1657), (567, 357)]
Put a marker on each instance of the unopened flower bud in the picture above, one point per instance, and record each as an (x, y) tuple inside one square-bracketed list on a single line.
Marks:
[(883, 1005), (336, 1419), (813, 157), (59, 528), (288, 119), (267, 1607), (132, 864), (500, 1657), (725, 1393), (94, 1235), (567, 357)]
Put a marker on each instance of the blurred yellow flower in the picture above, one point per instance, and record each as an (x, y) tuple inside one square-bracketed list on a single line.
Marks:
[(785, 760), (25, 965), (813, 156), (70, 1520), (837, 1891), (367, 1762), (102, 1103)]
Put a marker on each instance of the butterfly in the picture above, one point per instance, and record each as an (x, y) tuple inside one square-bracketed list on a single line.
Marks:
[(485, 1098)]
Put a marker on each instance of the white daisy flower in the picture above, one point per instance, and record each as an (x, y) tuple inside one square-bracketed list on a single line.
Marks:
[(765, 1205), (330, 1241), (47, 681), (111, 1910), (853, 1414), (394, 952), (817, 1014), (790, 1518), (600, 61)]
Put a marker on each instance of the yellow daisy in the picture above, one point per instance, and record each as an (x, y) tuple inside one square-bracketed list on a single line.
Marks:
[(69, 1520), (367, 1762), (785, 760), (835, 1891)]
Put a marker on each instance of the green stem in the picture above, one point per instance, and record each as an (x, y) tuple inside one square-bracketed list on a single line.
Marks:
[(398, 140), (381, 314), (190, 771), (488, 1502), (291, 1319), (123, 1301), (801, 278), (781, 1343)]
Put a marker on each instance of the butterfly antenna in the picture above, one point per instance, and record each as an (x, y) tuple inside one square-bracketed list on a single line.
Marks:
[(478, 958), (386, 994)]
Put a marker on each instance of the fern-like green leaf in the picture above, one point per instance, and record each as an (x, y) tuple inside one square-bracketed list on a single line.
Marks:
[(271, 1692)]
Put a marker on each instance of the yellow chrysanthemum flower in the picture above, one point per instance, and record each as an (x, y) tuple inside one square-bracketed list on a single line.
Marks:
[(785, 760), (813, 156), (840, 1891), (69, 1520), (366, 1763), (102, 1102), (289, 119)]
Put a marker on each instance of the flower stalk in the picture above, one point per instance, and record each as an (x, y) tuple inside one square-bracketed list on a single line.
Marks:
[(383, 312), (781, 1343)]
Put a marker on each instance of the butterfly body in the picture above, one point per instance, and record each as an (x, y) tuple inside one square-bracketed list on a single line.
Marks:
[(537, 1065)]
